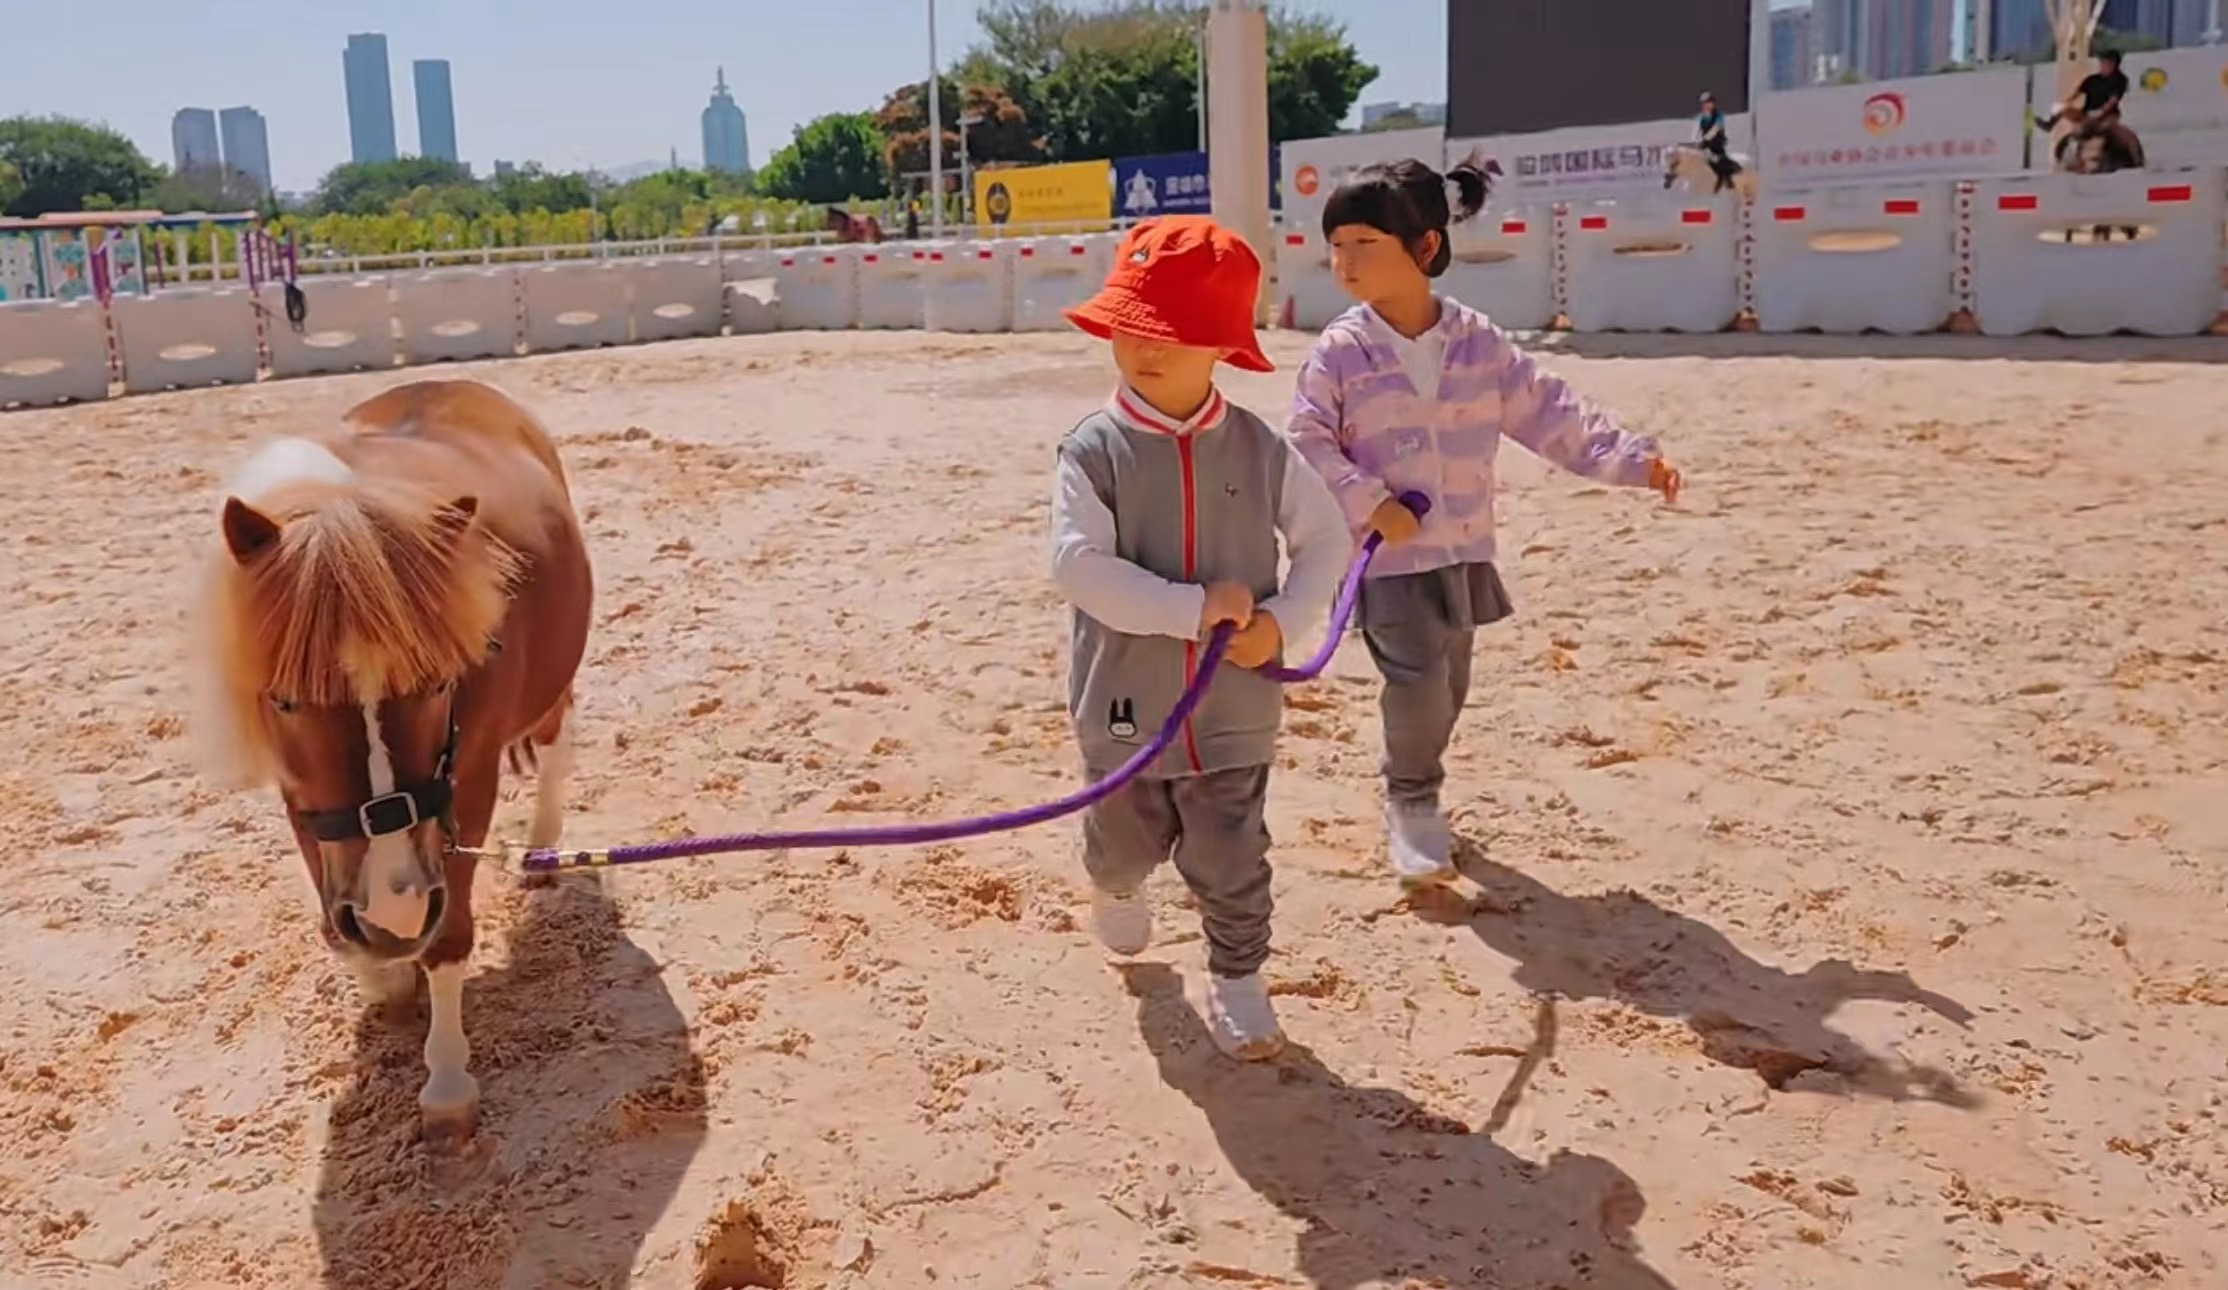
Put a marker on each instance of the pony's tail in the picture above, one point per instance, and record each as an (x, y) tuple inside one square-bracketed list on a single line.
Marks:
[(1468, 185)]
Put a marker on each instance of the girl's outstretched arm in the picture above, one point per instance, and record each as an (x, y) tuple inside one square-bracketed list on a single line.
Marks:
[(1541, 411)]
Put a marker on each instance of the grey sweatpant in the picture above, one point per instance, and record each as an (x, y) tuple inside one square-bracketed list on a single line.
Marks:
[(1421, 628), (1212, 824)]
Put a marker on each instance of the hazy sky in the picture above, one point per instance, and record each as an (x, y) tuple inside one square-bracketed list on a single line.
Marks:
[(566, 82)]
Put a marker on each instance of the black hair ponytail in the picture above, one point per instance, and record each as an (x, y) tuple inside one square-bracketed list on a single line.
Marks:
[(1407, 199)]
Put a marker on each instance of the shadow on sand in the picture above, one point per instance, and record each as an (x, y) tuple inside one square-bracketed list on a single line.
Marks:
[(1620, 945), (2028, 349), (1388, 1189), (592, 1107)]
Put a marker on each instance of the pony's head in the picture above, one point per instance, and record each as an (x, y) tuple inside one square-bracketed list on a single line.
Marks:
[(343, 615)]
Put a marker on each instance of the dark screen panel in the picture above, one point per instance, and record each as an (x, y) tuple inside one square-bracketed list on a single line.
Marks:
[(1515, 66)]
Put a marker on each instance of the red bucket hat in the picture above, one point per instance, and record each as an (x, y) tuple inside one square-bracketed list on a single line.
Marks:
[(1186, 280)]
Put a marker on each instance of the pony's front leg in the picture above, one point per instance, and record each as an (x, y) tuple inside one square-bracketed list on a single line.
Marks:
[(449, 1104)]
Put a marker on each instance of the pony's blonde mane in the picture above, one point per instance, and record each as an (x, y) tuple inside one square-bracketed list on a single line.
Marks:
[(373, 588)]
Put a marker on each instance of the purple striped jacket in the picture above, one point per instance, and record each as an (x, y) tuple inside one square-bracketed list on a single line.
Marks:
[(1361, 424)]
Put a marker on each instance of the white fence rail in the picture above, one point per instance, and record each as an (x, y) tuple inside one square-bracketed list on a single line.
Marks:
[(2136, 252)]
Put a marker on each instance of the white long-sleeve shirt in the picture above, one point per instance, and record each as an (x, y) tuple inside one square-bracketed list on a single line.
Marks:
[(1138, 602)]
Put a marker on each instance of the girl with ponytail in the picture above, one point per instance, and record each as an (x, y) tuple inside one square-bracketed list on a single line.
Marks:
[(1413, 390)]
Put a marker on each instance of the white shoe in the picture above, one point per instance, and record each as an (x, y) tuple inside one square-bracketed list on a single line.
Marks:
[(1123, 923), (1422, 845), (1241, 1019)]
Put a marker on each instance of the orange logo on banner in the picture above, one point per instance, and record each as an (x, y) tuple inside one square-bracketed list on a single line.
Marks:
[(1884, 113), (1307, 181)]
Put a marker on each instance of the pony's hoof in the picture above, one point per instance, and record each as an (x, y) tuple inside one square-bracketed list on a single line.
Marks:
[(449, 1130), (538, 881)]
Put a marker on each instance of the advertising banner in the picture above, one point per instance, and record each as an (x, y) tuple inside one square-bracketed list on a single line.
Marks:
[(1955, 125), (1587, 161), (1313, 167), (1071, 193), (1171, 183), (2177, 104)]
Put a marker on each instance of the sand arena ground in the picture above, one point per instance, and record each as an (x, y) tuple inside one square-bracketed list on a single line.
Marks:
[(1847, 848)]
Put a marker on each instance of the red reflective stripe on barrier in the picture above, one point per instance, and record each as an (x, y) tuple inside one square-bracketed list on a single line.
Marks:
[(872, 259), (936, 256), (1078, 250), (1514, 227), (1028, 252), (982, 255), (1593, 221), (1295, 239), (2175, 193), (827, 259), (2018, 202), (1789, 214), (790, 261), (1900, 206), (920, 255), (1694, 217)]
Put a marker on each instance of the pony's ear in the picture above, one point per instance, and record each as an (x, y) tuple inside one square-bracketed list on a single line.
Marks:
[(248, 532), (456, 517)]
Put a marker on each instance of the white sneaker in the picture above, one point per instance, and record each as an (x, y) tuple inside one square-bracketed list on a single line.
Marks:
[(1241, 1019), (1123, 923), (1422, 845)]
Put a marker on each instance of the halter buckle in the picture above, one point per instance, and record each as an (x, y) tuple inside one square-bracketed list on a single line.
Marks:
[(390, 813)]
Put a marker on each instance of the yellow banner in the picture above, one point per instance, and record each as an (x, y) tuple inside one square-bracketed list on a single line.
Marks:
[(1075, 193)]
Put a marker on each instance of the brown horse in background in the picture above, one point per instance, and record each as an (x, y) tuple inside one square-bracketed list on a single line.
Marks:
[(853, 228), (395, 604)]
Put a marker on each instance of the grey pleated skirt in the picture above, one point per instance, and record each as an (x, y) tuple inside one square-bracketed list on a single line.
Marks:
[(1458, 597)]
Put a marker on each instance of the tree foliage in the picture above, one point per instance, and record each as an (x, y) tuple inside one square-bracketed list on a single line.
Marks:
[(1001, 135), (11, 183), (206, 188), (369, 187), (832, 159), (1123, 79), (65, 165)]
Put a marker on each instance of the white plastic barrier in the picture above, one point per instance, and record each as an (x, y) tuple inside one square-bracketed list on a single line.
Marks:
[(1053, 274), (1881, 257), (2053, 252), (1654, 265), (893, 287), (818, 287), (1504, 266), (186, 336), (753, 291), (457, 314), (1309, 295), (971, 288), (52, 351), (349, 327), (673, 298), (576, 305)]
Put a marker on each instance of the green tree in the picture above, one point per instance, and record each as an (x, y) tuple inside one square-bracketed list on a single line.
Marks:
[(832, 159), (11, 183), (206, 188), (1001, 134), (65, 165), (1124, 79), (369, 187), (531, 188), (1401, 119)]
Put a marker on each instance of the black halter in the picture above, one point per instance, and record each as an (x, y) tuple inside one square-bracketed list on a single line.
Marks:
[(397, 812)]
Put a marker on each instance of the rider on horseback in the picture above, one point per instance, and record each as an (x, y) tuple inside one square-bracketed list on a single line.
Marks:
[(2098, 111), (1712, 126)]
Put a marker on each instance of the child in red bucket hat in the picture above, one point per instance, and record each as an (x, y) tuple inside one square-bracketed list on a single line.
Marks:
[(1165, 520)]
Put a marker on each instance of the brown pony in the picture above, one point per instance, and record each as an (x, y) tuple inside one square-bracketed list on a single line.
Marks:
[(852, 228), (394, 605)]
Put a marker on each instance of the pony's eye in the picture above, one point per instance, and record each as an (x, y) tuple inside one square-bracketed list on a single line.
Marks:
[(282, 705)]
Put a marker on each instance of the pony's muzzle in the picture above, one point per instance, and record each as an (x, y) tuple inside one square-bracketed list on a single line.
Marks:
[(356, 926)]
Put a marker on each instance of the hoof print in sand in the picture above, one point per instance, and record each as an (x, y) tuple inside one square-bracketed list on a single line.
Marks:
[(737, 1252)]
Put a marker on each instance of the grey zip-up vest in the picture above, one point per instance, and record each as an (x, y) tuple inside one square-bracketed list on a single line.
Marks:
[(1195, 508)]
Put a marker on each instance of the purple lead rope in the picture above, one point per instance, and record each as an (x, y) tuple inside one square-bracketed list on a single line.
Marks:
[(556, 859)]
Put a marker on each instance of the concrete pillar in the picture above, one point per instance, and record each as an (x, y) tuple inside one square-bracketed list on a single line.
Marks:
[(1238, 130)]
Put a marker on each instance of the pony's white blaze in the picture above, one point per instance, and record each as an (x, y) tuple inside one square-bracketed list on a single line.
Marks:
[(394, 896), (287, 461)]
